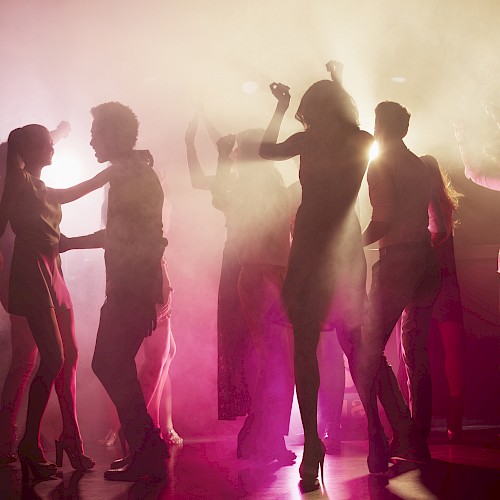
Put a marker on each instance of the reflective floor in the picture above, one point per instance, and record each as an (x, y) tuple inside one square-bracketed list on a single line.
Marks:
[(208, 469)]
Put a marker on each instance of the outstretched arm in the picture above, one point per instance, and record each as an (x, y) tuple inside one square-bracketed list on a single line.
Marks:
[(475, 166), (198, 178), (73, 193), (94, 240), (269, 148)]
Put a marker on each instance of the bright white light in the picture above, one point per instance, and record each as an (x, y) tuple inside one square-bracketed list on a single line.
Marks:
[(398, 79), (66, 170), (374, 150), (249, 87)]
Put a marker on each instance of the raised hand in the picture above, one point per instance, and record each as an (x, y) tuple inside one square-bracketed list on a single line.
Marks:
[(225, 144), (282, 93), (192, 129)]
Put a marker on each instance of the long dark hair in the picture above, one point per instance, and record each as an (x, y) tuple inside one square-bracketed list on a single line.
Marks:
[(22, 141), (327, 105)]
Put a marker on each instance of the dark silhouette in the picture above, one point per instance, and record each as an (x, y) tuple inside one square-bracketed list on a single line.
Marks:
[(405, 277), (233, 335), (133, 245), (325, 283), (24, 350), (38, 292), (257, 204), (447, 320)]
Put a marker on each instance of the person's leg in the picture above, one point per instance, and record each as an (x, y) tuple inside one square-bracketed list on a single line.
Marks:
[(331, 389), (154, 369), (23, 361), (119, 337), (65, 387), (45, 330), (453, 338), (65, 383), (267, 423)]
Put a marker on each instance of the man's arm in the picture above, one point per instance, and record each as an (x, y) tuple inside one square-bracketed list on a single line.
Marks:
[(382, 198), (94, 240)]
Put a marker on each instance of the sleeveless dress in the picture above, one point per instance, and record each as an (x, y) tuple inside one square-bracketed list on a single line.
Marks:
[(36, 279), (325, 283)]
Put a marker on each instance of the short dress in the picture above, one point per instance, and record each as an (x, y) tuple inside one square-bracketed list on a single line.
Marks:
[(36, 278)]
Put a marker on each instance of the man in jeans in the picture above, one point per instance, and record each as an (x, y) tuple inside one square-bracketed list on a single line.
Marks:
[(133, 247), (405, 277)]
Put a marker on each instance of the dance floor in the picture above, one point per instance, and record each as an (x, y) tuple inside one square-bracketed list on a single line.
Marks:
[(206, 468)]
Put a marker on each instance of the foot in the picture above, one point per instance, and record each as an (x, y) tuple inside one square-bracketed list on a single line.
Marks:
[(312, 460), (332, 443), (410, 447), (173, 438), (7, 460), (146, 463), (73, 448), (378, 460)]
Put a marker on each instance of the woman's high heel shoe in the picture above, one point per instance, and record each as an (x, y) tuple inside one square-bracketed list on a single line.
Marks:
[(314, 457), (38, 465), (78, 460)]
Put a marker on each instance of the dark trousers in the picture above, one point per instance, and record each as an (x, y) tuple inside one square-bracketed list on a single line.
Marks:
[(119, 337), (405, 278)]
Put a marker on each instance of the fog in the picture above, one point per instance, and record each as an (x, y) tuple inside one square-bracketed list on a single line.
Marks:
[(59, 58)]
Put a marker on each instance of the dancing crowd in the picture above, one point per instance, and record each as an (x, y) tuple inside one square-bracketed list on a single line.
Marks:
[(293, 274)]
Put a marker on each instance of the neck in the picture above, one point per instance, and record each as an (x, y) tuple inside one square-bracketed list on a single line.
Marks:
[(34, 170)]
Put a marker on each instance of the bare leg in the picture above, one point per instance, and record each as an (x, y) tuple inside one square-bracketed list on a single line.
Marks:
[(45, 331), (65, 383), (23, 361)]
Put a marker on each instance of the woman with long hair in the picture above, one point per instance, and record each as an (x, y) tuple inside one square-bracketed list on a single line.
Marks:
[(37, 291), (325, 282), (447, 317), (256, 204)]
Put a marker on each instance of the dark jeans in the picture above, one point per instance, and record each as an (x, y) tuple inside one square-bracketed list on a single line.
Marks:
[(405, 278), (120, 334)]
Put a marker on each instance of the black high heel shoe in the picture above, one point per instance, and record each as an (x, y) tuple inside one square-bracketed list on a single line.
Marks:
[(78, 460), (312, 459), (378, 454), (39, 466)]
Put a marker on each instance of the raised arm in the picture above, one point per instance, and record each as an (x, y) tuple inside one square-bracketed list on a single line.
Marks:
[(270, 149), (220, 187), (73, 193), (476, 167), (199, 180)]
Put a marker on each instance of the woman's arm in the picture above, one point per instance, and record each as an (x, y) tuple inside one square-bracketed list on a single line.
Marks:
[(475, 167), (73, 193), (269, 148), (220, 187), (198, 178)]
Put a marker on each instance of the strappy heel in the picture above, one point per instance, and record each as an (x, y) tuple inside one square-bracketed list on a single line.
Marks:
[(39, 466), (313, 458), (78, 460)]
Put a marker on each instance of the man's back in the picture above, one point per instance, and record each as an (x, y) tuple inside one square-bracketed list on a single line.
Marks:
[(400, 192)]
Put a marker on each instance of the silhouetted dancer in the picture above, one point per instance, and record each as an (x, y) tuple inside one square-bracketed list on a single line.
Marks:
[(325, 282), (133, 247), (257, 204), (406, 276), (414, 374), (38, 292), (234, 372)]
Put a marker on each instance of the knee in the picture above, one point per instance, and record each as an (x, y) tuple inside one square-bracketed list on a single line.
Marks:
[(71, 356), (100, 367), (53, 365)]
